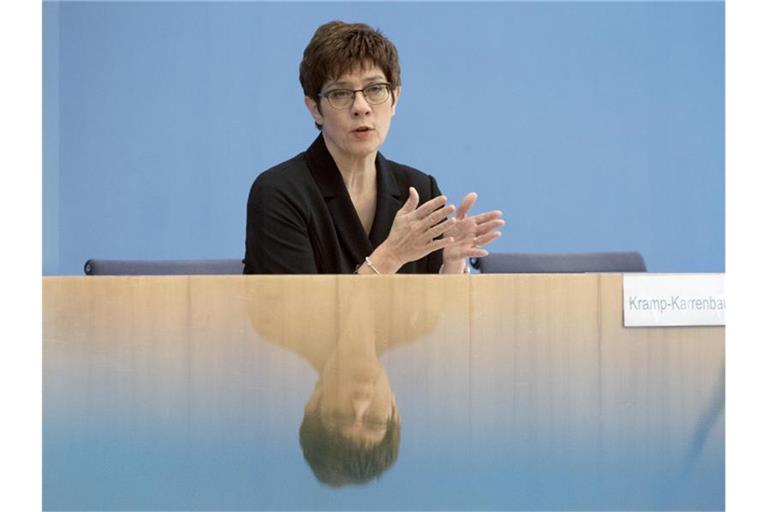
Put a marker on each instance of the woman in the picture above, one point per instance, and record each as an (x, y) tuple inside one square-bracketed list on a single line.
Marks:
[(341, 207)]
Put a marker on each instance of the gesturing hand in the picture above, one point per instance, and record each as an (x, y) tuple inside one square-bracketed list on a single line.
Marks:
[(413, 232), (470, 234)]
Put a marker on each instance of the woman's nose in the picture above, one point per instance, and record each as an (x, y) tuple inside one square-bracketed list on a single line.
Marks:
[(360, 406), (360, 105)]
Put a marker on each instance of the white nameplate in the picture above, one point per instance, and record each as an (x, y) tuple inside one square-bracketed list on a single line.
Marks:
[(674, 299)]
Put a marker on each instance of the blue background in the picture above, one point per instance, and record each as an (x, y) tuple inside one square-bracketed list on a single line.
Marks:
[(592, 125)]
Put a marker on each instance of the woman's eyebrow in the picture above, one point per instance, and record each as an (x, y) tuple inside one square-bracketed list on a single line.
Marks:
[(375, 78), (375, 425), (375, 420), (367, 80)]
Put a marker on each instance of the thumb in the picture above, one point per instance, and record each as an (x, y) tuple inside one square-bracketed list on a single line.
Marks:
[(466, 204), (411, 202)]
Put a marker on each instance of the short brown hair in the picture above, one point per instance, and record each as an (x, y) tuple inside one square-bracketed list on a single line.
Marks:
[(338, 48), (337, 461)]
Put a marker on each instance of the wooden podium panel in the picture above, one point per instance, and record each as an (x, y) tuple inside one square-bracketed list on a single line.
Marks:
[(512, 392)]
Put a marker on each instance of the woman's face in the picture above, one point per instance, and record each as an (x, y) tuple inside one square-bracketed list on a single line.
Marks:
[(355, 398), (359, 130)]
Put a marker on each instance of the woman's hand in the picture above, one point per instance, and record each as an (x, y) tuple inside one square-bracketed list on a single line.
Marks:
[(413, 233), (469, 234)]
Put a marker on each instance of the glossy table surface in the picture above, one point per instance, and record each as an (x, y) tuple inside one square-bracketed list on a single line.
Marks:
[(439, 393)]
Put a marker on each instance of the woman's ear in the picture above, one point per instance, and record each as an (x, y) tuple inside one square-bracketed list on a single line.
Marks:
[(314, 109), (395, 411), (395, 98), (313, 404)]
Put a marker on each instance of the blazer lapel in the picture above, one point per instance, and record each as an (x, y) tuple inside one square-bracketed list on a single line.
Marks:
[(350, 231), (388, 201)]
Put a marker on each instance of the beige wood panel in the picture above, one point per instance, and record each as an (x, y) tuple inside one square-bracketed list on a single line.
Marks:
[(428, 365), (554, 343), (661, 387), (171, 350), (177, 347), (535, 362), (555, 371), (88, 360)]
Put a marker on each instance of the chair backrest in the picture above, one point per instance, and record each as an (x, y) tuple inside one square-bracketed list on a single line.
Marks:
[(96, 267), (532, 263)]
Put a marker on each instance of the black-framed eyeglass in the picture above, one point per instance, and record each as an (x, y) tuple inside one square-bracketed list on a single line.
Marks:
[(374, 94)]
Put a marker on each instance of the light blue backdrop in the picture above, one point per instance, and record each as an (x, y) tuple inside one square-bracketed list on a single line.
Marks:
[(593, 126)]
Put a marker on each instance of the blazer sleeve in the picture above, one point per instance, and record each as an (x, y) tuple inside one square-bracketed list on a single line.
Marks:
[(277, 239)]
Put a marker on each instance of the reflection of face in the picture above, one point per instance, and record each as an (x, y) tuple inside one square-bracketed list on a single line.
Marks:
[(356, 399), (340, 126)]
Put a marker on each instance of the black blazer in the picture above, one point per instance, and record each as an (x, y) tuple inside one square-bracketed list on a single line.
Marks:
[(301, 219)]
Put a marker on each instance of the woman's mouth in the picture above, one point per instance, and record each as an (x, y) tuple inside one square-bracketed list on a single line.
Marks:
[(362, 133)]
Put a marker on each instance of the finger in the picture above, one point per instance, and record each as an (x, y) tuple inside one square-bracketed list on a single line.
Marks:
[(439, 229), (412, 201), (488, 227), (466, 204), (486, 216), (441, 243), (437, 216), (474, 252), (430, 206), (487, 238)]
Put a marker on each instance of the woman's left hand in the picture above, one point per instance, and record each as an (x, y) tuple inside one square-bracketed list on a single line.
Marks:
[(470, 234)]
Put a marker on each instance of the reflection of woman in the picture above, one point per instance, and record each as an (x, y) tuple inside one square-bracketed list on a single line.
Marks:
[(341, 207), (351, 427)]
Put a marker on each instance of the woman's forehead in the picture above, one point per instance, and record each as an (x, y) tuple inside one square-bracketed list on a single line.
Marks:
[(361, 71)]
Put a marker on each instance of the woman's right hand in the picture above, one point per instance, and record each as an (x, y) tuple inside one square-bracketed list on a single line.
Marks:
[(413, 233)]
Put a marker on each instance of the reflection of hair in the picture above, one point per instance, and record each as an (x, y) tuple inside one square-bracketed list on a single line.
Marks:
[(336, 460), (338, 48)]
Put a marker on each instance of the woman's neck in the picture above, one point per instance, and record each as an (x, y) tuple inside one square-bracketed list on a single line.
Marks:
[(358, 173)]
